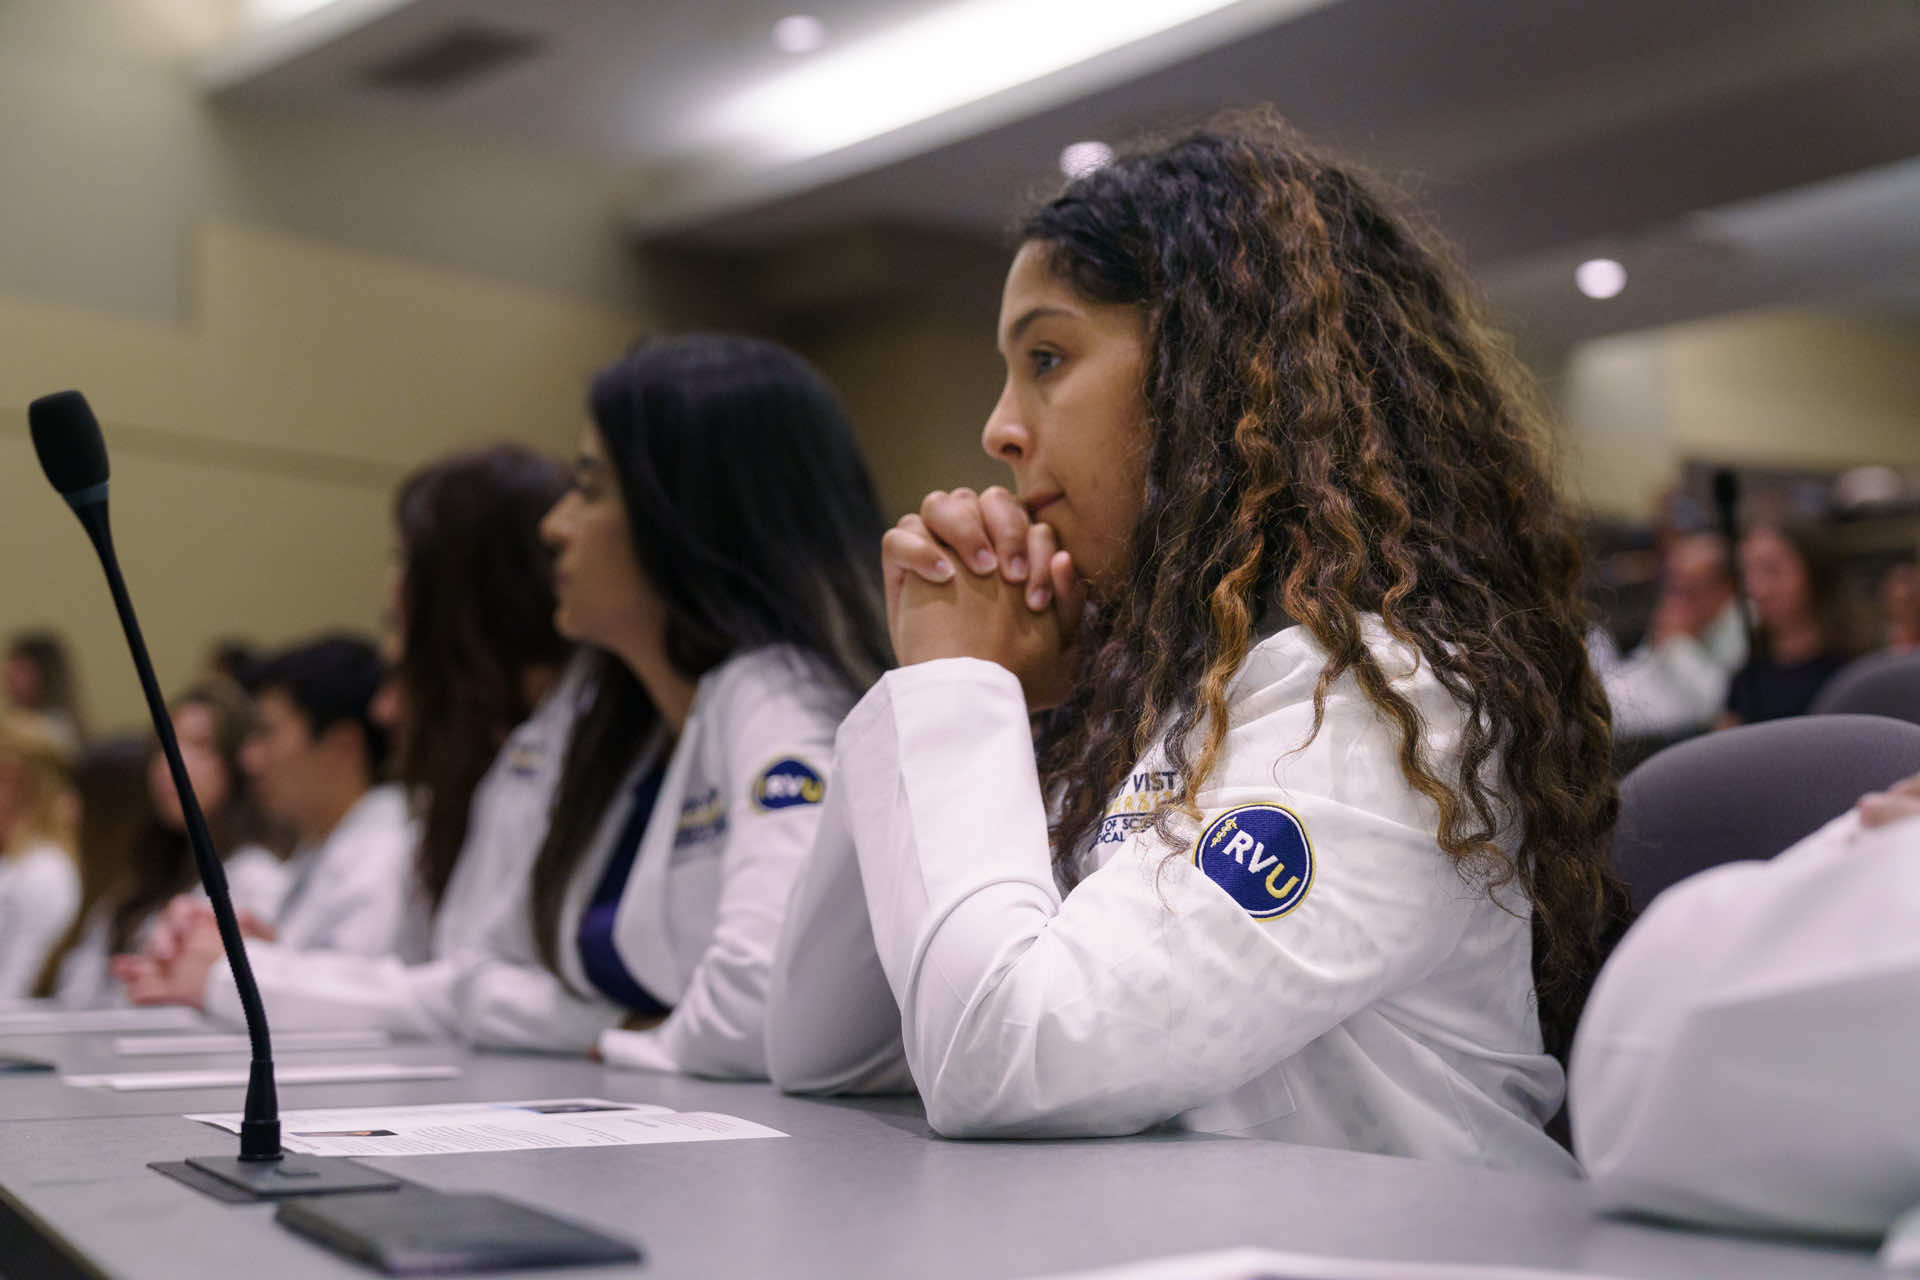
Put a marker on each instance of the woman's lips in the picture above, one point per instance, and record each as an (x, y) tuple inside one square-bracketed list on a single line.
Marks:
[(1035, 505)]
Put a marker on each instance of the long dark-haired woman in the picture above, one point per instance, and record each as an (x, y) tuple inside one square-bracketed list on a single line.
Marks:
[(1322, 752), (720, 548), (211, 720), (1800, 631), (482, 716)]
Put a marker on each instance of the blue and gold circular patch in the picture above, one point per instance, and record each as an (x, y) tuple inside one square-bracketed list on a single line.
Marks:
[(786, 783), (1260, 854)]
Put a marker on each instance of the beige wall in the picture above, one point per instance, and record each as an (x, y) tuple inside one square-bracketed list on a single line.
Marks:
[(1790, 388), (255, 447), (918, 383), (274, 320)]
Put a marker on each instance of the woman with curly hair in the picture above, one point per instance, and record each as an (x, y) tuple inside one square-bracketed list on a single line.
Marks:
[(1319, 763)]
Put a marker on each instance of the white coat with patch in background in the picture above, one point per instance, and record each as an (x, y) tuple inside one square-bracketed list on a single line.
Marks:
[(1749, 1054), (410, 989), (698, 920), (39, 894), (1385, 1004)]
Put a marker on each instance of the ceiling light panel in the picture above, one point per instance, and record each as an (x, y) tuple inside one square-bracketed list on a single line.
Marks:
[(925, 66)]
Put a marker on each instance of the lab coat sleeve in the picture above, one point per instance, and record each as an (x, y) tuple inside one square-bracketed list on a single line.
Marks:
[(1148, 990), (502, 1004), (1668, 688), (43, 893), (718, 1026), (1748, 1053), (503, 997), (335, 990), (832, 1024)]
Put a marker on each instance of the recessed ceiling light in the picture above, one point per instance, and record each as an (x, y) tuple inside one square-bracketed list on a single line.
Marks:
[(799, 33), (1082, 158), (1600, 277)]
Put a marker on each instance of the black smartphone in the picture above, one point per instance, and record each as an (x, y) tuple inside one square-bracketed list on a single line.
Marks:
[(417, 1231)]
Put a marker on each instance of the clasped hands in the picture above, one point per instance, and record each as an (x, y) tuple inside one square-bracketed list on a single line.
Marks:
[(972, 576), (181, 951)]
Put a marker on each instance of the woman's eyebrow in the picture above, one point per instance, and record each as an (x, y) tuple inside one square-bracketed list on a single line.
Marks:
[(1028, 316)]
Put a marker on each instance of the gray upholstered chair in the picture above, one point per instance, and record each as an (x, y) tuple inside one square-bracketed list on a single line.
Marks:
[(1750, 792), (1880, 684)]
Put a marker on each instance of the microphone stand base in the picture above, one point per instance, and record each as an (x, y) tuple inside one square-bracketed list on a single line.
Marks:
[(290, 1175)]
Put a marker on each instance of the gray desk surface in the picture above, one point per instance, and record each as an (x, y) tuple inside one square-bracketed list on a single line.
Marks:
[(860, 1188)]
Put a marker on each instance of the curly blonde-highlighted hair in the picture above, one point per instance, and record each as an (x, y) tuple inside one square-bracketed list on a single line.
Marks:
[(1335, 434)]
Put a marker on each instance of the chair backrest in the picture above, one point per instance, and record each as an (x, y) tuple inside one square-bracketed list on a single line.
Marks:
[(1880, 684), (1750, 792)]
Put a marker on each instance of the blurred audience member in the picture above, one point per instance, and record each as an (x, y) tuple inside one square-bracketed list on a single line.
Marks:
[(314, 758), (479, 712), (110, 779), (39, 821), (1800, 629), (1677, 680), (212, 721), (40, 679), (1900, 607)]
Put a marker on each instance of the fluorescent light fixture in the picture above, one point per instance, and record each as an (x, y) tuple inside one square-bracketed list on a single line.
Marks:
[(799, 33), (267, 12), (1600, 277), (925, 66), (1079, 159)]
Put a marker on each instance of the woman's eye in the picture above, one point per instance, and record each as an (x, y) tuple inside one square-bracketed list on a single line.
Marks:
[(1043, 361)]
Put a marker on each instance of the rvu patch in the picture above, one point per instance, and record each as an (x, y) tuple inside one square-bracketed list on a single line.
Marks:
[(1258, 853), (786, 783)]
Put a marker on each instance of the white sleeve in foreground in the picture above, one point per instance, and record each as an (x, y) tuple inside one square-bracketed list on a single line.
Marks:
[(504, 1005), (1748, 1054), (832, 1024), (1148, 991)]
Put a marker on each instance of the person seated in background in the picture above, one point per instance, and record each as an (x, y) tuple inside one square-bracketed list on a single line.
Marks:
[(481, 711), (1316, 765), (1900, 608), (1749, 1053), (1677, 680), (39, 822), (39, 678), (212, 721), (1799, 629), (315, 759), (719, 547)]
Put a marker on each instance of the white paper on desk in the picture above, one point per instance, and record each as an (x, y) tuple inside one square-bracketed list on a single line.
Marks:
[(1274, 1264), (54, 1022), (455, 1127), (214, 1042), (219, 1077)]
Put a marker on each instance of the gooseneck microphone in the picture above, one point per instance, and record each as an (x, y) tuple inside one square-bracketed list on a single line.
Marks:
[(74, 456)]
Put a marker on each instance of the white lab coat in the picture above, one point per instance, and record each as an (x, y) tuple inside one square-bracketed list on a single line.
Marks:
[(1749, 1053), (39, 893), (410, 990), (1383, 1002), (256, 881), (348, 892), (700, 913), (1677, 685)]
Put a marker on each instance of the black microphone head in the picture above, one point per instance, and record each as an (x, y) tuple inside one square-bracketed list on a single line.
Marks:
[(68, 440)]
